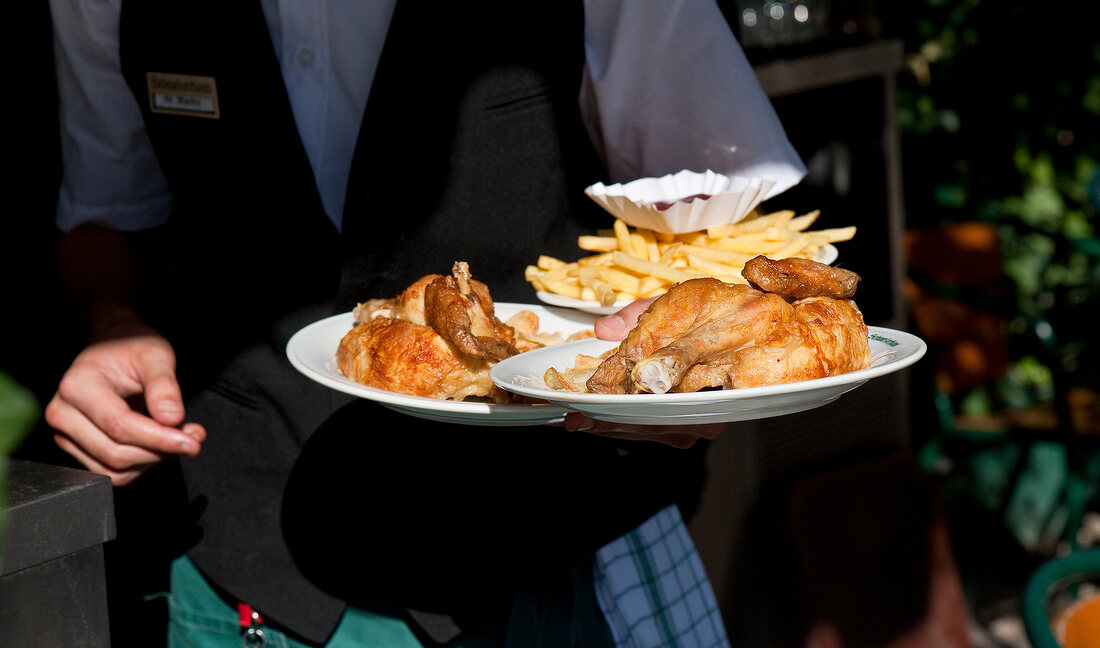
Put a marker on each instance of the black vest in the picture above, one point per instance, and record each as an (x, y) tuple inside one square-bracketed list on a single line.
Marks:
[(471, 149)]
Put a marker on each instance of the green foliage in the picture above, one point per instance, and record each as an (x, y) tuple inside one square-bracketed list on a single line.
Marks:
[(18, 412), (1000, 111)]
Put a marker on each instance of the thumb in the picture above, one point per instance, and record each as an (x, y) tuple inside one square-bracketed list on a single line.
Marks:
[(617, 325), (163, 396)]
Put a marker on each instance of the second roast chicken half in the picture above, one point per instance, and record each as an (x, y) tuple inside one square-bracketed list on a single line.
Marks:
[(794, 321)]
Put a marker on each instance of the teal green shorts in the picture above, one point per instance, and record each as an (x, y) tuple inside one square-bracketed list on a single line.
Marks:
[(199, 618), (563, 615)]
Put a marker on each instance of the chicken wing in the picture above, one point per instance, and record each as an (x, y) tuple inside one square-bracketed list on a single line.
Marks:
[(796, 278), (461, 310)]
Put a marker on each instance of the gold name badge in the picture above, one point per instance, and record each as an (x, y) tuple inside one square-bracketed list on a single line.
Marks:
[(182, 94)]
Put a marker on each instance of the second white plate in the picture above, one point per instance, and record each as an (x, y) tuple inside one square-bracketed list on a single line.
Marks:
[(523, 374)]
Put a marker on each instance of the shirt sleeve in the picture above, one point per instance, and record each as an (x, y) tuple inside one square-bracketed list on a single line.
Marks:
[(667, 87), (110, 174)]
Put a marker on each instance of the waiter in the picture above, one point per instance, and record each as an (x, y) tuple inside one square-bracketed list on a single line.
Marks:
[(267, 164)]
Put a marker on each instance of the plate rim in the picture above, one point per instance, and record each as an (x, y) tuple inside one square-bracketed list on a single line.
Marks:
[(857, 377)]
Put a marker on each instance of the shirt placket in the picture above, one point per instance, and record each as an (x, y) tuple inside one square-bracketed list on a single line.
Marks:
[(305, 64)]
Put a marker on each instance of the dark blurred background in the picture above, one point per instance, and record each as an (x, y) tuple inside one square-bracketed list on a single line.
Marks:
[(996, 109), (961, 139)]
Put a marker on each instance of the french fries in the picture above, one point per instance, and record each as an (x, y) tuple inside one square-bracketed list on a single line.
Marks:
[(630, 264), (574, 379)]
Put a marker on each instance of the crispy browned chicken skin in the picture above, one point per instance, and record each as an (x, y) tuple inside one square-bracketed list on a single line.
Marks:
[(437, 339), (706, 333), (796, 278)]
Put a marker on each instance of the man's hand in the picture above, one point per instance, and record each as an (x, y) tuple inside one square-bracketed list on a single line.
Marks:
[(119, 409), (616, 327)]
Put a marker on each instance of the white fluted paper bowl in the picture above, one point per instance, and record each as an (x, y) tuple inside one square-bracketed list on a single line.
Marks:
[(682, 202)]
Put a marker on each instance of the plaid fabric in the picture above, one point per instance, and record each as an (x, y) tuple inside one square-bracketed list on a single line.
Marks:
[(653, 590)]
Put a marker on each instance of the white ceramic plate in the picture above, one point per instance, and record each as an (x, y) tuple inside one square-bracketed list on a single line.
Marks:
[(827, 255), (312, 351), (890, 351)]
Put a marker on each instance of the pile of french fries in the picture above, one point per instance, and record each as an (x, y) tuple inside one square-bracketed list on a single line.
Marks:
[(629, 264)]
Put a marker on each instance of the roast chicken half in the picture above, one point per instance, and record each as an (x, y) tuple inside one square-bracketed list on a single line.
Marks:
[(794, 321), (437, 339)]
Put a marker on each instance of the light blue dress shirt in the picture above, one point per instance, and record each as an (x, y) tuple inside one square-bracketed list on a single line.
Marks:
[(666, 87)]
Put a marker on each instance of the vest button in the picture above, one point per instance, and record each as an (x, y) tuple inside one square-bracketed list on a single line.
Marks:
[(305, 57)]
